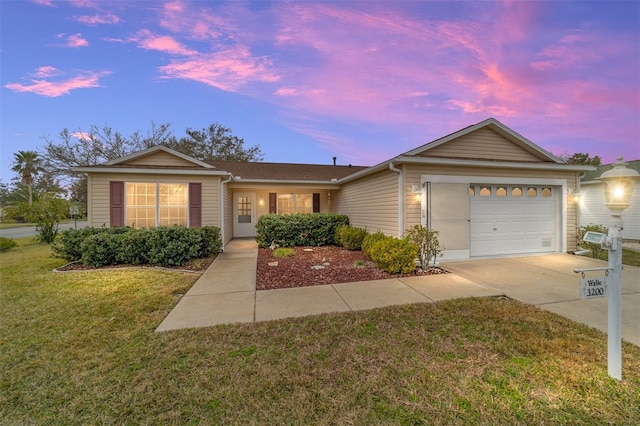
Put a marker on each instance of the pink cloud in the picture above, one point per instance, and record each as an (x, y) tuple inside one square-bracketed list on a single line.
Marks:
[(44, 2), (76, 40), (83, 136), (105, 18), (58, 88), (47, 71), (227, 69), (149, 41)]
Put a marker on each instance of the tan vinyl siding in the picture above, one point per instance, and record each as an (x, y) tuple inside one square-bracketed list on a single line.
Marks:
[(371, 202), (98, 190), (483, 144), (159, 158)]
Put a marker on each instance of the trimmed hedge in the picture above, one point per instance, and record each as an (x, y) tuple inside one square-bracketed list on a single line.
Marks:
[(291, 230), (162, 246), (350, 237), (390, 254)]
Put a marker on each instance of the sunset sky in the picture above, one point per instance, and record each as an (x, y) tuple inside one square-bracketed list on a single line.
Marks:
[(362, 81)]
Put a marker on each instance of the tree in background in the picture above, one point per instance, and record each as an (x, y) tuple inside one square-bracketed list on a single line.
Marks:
[(76, 149), (580, 158), (215, 142), (27, 164)]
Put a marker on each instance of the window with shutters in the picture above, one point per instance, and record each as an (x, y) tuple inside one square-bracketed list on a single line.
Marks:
[(295, 203), (156, 204)]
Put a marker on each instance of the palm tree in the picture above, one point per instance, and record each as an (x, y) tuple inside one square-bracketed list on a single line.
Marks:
[(27, 165)]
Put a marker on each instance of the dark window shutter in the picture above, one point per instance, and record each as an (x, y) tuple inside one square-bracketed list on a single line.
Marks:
[(316, 202), (273, 203), (116, 203), (195, 205)]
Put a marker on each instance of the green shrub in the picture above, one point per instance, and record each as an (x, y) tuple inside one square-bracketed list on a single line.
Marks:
[(101, 249), (164, 246), (350, 237), (283, 252), (69, 245), (393, 255), (291, 230), (427, 242), (7, 244), (46, 213), (596, 249), (371, 240)]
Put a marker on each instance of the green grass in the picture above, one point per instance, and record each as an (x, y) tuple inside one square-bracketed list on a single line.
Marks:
[(80, 348)]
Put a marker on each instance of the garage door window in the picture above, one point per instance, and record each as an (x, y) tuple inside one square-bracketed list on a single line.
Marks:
[(485, 191), (532, 192), (501, 191), (516, 191), (546, 192)]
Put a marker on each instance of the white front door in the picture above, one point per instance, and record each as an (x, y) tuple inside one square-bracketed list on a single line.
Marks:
[(244, 214)]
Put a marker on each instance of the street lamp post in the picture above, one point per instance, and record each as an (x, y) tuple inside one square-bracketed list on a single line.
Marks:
[(618, 188)]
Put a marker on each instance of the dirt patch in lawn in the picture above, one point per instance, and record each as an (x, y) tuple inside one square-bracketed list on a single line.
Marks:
[(311, 266)]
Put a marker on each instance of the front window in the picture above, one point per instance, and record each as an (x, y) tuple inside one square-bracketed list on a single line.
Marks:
[(156, 204), (295, 203)]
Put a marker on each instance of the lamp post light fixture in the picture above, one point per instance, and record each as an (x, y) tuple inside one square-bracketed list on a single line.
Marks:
[(618, 188)]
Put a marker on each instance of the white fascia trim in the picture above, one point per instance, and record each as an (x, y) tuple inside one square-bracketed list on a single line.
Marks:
[(491, 180), (492, 164), (287, 182), (159, 148), (149, 171)]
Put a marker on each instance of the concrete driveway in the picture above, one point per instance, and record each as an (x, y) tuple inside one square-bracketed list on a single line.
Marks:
[(549, 282)]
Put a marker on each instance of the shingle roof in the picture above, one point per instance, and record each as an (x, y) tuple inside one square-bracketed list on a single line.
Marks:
[(593, 174), (285, 171)]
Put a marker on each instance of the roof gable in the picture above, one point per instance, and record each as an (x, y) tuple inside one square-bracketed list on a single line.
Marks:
[(159, 156), (487, 140)]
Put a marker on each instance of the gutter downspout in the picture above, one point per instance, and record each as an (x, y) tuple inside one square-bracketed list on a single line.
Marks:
[(221, 213), (400, 199)]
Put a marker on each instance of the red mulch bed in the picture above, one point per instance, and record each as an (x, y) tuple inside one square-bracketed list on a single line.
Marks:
[(341, 266)]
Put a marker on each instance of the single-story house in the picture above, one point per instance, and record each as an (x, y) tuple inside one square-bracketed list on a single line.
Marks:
[(592, 209), (487, 189)]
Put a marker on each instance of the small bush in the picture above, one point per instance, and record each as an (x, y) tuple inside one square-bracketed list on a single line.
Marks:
[(350, 237), (370, 240), (291, 230), (101, 249), (596, 249), (283, 252), (69, 245), (7, 244), (427, 242), (393, 255)]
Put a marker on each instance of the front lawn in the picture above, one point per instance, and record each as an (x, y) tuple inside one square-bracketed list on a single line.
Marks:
[(80, 348)]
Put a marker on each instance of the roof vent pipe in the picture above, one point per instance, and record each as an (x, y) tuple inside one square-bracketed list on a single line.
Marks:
[(334, 160)]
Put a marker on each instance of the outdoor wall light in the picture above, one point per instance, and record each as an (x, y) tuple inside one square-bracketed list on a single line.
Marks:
[(261, 201)]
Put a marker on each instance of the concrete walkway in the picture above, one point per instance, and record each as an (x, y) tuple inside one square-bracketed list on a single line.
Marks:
[(226, 293)]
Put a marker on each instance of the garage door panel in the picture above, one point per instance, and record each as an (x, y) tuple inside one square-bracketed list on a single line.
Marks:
[(512, 225)]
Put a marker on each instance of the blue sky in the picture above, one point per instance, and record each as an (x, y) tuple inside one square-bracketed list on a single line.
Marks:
[(362, 81)]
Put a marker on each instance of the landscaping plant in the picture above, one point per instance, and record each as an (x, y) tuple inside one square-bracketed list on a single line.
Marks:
[(291, 230), (7, 244), (393, 255), (46, 213), (427, 241), (350, 237)]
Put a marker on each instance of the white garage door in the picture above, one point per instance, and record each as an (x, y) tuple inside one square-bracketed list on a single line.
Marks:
[(512, 219)]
